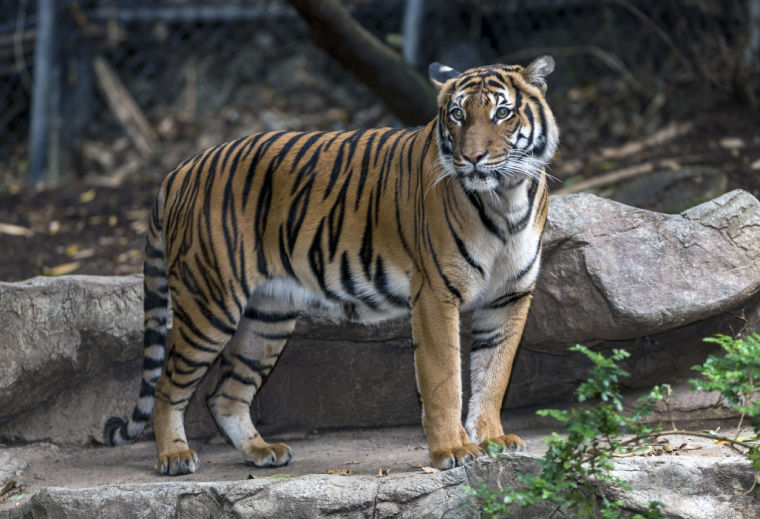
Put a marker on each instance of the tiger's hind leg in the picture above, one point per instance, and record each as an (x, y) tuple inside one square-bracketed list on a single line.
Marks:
[(195, 345), (248, 359)]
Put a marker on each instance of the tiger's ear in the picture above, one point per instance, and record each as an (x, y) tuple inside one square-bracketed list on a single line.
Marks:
[(538, 70), (439, 74)]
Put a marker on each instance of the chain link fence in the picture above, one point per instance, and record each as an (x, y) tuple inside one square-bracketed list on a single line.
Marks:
[(137, 85)]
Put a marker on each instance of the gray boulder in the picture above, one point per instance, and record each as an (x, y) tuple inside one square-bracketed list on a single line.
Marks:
[(613, 272), (67, 346)]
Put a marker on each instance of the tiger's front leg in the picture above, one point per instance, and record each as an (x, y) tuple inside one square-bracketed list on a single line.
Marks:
[(496, 335), (435, 332)]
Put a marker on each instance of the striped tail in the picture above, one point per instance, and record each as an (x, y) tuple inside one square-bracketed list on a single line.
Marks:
[(156, 305)]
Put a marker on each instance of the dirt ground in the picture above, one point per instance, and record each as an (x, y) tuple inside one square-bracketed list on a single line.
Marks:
[(377, 452), (91, 228)]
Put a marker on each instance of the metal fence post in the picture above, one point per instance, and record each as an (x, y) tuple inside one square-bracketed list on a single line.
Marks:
[(45, 92)]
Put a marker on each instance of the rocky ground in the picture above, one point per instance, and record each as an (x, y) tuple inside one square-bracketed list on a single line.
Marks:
[(398, 455)]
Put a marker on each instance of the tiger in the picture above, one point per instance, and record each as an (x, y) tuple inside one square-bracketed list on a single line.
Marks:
[(358, 226)]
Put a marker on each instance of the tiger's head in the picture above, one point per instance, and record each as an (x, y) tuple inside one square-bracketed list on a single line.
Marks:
[(494, 125)]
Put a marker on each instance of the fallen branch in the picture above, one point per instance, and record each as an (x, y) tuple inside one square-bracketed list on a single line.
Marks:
[(125, 109), (619, 175), (668, 133)]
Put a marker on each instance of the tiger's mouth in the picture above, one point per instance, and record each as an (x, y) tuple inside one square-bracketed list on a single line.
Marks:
[(478, 179)]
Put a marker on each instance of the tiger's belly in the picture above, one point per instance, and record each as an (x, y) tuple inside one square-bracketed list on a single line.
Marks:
[(311, 301)]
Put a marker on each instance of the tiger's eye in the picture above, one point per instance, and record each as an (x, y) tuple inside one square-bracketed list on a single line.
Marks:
[(502, 112), (457, 114)]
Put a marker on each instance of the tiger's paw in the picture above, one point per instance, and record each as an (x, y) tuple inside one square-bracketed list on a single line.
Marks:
[(177, 463), (273, 455), (446, 459), (508, 442)]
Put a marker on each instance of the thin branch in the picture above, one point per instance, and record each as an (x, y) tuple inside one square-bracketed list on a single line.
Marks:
[(679, 432)]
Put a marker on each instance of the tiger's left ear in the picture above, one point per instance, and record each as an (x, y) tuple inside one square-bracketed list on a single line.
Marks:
[(439, 74), (538, 70)]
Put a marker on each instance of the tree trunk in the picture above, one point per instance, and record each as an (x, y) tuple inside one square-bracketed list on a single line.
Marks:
[(401, 88)]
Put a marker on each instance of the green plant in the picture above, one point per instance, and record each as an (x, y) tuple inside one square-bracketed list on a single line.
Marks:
[(577, 467), (736, 376)]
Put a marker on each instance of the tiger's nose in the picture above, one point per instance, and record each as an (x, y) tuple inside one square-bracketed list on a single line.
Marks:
[(473, 156)]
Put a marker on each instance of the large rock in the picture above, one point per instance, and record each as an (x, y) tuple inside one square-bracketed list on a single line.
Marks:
[(688, 487), (68, 350), (613, 272), (613, 276)]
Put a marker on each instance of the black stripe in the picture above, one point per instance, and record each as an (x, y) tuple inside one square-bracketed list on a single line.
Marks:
[(510, 297), (154, 300), (364, 170), (493, 83), (253, 364), (451, 288), (151, 271), (263, 205), (235, 399), (153, 337), (215, 321), (349, 285), (460, 244), (399, 229), (539, 150), (297, 213), (195, 345), (153, 252), (383, 286), (147, 389), (189, 362), (269, 317), (167, 398), (284, 255), (307, 170), (335, 218), (149, 363), (527, 267), (137, 416), (306, 146), (248, 184), (365, 252), (486, 220), (523, 221), (317, 261), (491, 341), (185, 385), (248, 381), (274, 336)]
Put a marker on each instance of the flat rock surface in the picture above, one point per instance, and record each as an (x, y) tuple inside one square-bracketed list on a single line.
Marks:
[(120, 481)]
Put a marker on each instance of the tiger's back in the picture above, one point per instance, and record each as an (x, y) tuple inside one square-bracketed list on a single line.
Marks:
[(359, 225)]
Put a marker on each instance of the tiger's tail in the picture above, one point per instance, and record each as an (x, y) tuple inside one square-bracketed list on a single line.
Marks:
[(156, 306)]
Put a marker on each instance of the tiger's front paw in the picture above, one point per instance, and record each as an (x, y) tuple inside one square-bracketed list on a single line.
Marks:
[(509, 443), (176, 463), (273, 455), (447, 458)]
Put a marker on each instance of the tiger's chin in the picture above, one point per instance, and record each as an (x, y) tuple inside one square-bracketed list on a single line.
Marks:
[(479, 183)]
